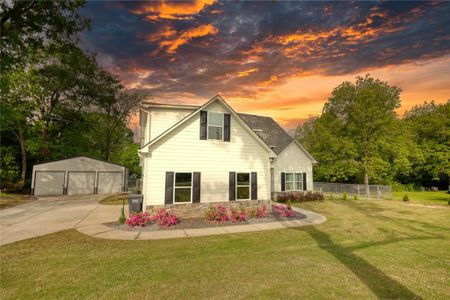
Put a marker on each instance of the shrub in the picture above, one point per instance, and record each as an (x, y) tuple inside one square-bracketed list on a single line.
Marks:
[(283, 211), (289, 204), (355, 197), (238, 215), (405, 198), (299, 196), (331, 196), (345, 197), (252, 212), (217, 213), (164, 218), (262, 212), (139, 219), (122, 217)]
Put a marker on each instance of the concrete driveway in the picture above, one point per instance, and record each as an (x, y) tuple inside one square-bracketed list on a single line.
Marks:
[(48, 215)]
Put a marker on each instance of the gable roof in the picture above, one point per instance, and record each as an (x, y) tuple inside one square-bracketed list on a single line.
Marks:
[(77, 156), (265, 129), (272, 133), (269, 131), (215, 98)]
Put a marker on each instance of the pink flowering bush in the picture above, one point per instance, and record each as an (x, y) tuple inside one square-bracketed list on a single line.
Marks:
[(283, 211), (238, 216), (164, 218), (262, 212), (139, 219), (217, 213)]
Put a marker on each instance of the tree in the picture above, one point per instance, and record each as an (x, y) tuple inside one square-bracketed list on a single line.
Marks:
[(363, 115), (117, 110), (430, 124), (323, 138), (28, 26)]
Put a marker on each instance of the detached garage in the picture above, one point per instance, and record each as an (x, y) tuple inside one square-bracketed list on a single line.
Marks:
[(78, 175)]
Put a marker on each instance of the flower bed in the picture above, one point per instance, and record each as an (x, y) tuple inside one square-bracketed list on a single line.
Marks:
[(217, 215)]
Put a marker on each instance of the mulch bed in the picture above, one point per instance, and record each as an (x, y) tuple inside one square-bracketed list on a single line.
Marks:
[(202, 223)]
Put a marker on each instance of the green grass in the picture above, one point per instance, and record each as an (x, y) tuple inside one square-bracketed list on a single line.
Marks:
[(366, 250), (10, 200), (438, 197), (115, 200)]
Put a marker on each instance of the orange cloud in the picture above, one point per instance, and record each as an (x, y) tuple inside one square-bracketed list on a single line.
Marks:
[(316, 44), (172, 44), (172, 10), (247, 72), (163, 32)]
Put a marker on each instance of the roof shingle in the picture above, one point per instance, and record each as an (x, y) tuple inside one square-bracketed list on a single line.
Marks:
[(269, 131)]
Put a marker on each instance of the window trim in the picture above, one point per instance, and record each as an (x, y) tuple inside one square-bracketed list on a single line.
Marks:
[(249, 186), (175, 186), (293, 181), (207, 125)]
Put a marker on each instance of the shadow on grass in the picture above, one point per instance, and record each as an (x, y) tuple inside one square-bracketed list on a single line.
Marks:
[(376, 280), (413, 225)]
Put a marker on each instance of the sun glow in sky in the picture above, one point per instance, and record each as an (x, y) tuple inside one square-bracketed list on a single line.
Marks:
[(275, 58)]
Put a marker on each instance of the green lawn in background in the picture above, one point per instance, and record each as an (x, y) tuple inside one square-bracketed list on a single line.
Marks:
[(426, 197), (115, 200), (10, 200), (367, 249)]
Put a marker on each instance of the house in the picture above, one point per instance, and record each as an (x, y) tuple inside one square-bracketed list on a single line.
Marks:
[(210, 153)]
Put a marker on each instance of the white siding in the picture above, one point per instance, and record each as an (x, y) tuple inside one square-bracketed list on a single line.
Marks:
[(292, 160), (183, 151), (162, 119)]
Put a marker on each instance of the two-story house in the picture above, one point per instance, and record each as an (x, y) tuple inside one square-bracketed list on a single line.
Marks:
[(210, 153)]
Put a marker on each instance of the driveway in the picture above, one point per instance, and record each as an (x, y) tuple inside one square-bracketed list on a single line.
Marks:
[(47, 215)]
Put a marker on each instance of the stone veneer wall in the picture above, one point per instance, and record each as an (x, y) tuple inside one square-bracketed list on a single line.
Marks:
[(196, 210)]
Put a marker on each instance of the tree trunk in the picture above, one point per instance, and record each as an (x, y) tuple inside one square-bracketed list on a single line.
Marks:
[(23, 149), (45, 150), (366, 179), (107, 146)]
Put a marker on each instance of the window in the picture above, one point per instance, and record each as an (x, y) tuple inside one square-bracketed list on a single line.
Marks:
[(215, 126), (294, 181), (183, 187), (242, 186)]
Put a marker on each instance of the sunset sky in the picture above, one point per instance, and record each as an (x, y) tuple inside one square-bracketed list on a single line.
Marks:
[(274, 58)]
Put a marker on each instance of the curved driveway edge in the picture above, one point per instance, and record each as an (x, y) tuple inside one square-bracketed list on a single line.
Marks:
[(45, 215), (92, 225)]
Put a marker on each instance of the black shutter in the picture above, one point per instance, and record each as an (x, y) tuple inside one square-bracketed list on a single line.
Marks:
[(254, 182), (304, 182), (196, 182), (203, 124), (232, 186), (169, 188), (283, 181), (226, 127)]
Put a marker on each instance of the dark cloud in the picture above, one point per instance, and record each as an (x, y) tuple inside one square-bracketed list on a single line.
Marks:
[(242, 48)]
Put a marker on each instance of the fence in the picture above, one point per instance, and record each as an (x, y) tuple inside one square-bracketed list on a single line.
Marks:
[(373, 191)]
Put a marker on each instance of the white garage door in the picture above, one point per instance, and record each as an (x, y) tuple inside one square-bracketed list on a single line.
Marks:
[(80, 183), (48, 183), (110, 182)]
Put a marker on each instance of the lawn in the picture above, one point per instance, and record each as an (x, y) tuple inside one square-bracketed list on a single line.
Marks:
[(115, 200), (428, 197), (367, 249), (10, 200)]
